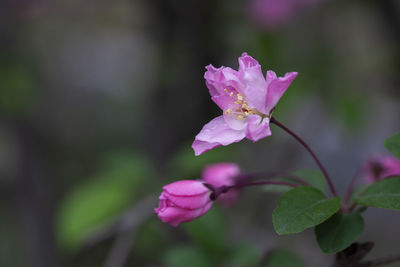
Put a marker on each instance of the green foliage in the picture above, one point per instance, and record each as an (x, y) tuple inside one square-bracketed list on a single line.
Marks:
[(243, 255), (339, 232), (209, 232), (393, 144), (150, 240), (314, 177), (94, 202), (17, 89), (283, 258), (184, 255), (301, 208), (384, 194)]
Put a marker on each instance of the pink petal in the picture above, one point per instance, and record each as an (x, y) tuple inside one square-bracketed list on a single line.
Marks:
[(276, 88), (220, 174), (189, 202), (215, 133), (186, 188), (219, 79), (176, 215), (257, 128), (255, 86), (225, 102)]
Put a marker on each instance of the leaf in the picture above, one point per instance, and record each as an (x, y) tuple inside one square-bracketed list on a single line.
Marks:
[(393, 144), (339, 232), (92, 203), (184, 255), (301, 208), (283, 258), (314, 177), (384, 194)]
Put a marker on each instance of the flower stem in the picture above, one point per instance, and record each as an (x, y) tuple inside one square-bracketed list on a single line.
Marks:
[(301, 141), (350, 190), (274, 175), (224, 189)]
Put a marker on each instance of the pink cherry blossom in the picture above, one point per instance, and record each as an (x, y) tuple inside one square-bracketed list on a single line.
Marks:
[(247, 100), (380, 167), (223, 174), (183, 201), (272, 14)]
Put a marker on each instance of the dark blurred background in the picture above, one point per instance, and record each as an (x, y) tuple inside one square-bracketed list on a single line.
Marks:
[(100, 101)]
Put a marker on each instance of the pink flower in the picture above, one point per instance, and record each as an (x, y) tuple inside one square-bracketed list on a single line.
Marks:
[(247, 100), (183, 201), (223, 174), (272, 14), (380, 167)]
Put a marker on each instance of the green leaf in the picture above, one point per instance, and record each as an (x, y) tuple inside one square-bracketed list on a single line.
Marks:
[(314, 177), (301, 208), (283, 258), (393, 144), (184, 255), (94, 202), (339, 232), (384, 194)]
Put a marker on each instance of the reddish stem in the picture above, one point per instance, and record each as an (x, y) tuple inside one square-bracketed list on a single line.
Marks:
[(301, 141)]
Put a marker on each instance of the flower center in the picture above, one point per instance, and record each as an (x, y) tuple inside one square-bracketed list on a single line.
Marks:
[(243, 111)]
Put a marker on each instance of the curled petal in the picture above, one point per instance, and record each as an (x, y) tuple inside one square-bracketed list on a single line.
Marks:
[(219, 79), (257, 128), (215, 133), (255, 86), (276, 88)]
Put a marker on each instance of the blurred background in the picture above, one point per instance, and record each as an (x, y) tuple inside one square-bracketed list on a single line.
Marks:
[(100, 102)]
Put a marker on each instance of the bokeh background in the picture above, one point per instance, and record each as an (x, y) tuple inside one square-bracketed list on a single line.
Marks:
[(100, 101)]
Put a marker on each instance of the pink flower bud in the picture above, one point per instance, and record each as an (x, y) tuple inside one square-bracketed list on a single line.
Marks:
[(223, 174), (183, 201), (380, 167)]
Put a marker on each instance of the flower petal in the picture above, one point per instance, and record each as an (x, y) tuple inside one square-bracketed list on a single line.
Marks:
[(215, 133), (257, 128), (186, 188), (176, 215), (276, 88), (218, 79), (220, 174), (255, 86), (189, 202)]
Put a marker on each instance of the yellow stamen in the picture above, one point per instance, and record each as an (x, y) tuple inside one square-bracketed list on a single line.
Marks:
[(239, 97), (228, 111)]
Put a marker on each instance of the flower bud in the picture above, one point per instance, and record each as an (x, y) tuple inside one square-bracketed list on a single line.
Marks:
[(223, 174), (380, 167), (183, 201)]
